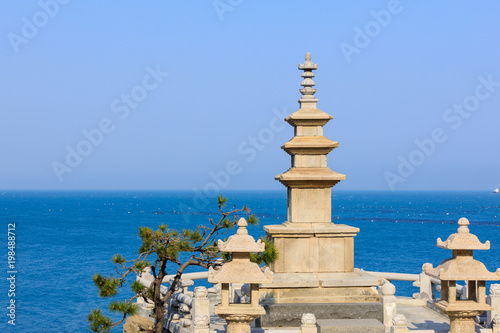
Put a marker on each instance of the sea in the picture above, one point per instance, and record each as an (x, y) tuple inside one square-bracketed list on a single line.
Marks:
[(62, 238)]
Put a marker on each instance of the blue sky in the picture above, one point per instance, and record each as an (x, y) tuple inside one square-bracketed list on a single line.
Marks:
[(191, 94)]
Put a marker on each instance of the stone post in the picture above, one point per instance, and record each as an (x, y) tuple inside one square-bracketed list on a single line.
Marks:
[(496, 324), (146, 272), (494, 302), (308, 321), (389, 303), (425, 283), (185, 285), (201, 324), (200, 306), (464, 291), (145, 308), (399, 324)]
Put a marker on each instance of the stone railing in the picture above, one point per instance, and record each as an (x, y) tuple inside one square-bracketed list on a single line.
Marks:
[(188, 311), (428, 287)]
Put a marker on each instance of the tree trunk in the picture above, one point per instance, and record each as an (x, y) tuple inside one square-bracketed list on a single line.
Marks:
[(159, 311), (160, 314)]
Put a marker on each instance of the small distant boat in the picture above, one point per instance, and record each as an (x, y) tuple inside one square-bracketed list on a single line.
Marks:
[(495, 190)]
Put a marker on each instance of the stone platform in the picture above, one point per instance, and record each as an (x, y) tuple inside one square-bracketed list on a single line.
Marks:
[(420, 319), (344, 295), (345, 287), (350, 326), (289, 315)]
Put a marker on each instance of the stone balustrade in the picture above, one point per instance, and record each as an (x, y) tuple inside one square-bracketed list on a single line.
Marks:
[(190, 317)]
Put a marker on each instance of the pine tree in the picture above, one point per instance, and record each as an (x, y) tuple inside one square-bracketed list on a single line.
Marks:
[(163, 246)]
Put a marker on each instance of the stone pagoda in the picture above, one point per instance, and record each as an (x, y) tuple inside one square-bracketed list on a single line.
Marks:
[(239, 316), (316, 256), (463, 267)]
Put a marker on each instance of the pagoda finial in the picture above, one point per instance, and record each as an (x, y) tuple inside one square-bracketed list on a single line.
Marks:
[(463, 223), (308, 83), (242, 227)]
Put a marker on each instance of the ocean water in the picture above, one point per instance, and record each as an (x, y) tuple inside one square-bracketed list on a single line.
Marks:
[(63, 238)]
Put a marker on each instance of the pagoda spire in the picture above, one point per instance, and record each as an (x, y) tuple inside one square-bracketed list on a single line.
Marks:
[(308, 100), (309, 150)]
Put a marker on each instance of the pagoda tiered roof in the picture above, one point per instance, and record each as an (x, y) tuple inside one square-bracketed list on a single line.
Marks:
[(309, 140)]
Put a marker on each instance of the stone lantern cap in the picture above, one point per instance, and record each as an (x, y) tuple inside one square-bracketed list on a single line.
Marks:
[(240, 269), (463, 239), (461, 270), (239, 272), (242, 241), (462, 266)]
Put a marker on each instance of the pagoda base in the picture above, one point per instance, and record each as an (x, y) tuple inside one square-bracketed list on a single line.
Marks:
[(289, 315), (316, 265), (351, 295), (329, 296), (351, 287), (312, 247), (315, 273)]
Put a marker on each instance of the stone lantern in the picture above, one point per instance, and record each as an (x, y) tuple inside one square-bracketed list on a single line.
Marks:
[(463, 267), (239, 316)]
